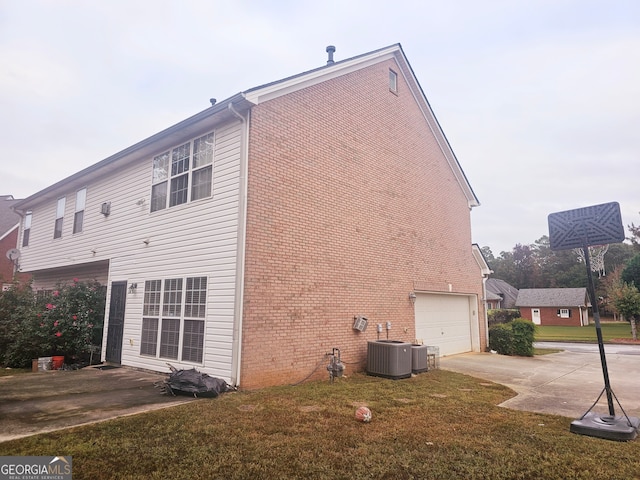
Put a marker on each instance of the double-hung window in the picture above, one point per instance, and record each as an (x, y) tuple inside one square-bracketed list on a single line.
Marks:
[(173, 319), (182, 174), (78, 218), (27, 229), (57, 230)]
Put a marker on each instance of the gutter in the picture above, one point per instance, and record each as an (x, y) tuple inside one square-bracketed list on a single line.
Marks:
[(167, 132)]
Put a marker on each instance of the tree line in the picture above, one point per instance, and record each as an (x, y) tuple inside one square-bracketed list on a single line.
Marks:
[(537, 266), (616, 280)]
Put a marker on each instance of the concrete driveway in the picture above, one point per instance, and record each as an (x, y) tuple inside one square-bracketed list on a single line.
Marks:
[(565, 383), (46, 401)]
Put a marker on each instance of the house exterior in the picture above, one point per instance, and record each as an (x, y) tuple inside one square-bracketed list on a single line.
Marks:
[(245, 240), (500, 295), (554, 306), (9, 228)]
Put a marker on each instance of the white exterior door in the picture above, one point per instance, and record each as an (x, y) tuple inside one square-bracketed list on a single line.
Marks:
[(535, 316), (445, 321)]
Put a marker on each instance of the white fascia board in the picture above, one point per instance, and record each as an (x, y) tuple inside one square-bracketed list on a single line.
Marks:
[(269, 92), (438, 134), (298, 82), (477, 254)]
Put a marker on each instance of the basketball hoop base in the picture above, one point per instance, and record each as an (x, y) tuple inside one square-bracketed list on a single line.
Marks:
[(620, 428)]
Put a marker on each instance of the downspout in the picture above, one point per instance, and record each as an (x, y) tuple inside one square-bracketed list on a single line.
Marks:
[(238, 310), (486, 311)]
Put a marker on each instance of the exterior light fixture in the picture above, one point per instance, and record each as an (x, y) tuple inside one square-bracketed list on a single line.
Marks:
[(412, 297)]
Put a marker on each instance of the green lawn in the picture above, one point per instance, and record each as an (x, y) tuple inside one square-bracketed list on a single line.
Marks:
[(437, 425), (610, 330)]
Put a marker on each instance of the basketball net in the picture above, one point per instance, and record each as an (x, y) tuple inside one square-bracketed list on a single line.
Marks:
[(596, 254)]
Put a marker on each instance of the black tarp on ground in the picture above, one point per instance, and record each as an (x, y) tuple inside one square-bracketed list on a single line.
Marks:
[(192, 382)]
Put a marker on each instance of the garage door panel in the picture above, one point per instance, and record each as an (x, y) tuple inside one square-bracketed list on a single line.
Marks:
[(444, 321)]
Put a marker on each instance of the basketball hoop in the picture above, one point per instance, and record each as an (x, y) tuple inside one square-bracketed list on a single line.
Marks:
[(586, 228), (596, 252)]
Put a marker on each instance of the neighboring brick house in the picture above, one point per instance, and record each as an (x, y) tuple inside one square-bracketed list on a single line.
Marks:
[(244, 240), (9, 227), (554, 306), (500, 295)]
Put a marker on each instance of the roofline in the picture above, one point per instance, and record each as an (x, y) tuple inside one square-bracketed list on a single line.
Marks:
[(473, 198), (8, 232), (287, 85), (479, 257), (271, 90), (280, 87), (194, 119)]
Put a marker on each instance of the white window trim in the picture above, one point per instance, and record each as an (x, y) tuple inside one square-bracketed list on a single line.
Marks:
[(181, 318), (167, 177), (81, 202), (61, 205)]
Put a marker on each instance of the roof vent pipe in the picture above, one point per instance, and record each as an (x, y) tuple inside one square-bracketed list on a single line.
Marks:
[(330, 50)]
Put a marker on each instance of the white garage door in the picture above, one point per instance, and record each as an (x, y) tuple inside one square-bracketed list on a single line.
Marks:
[(444, 321)]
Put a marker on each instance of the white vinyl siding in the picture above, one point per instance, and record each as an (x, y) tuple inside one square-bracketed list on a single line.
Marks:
[(134, 245)]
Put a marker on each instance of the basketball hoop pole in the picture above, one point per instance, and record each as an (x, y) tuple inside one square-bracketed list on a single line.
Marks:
[(579, 229), (596, 319)]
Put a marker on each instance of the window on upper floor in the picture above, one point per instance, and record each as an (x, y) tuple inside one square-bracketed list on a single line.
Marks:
[(57, 230), (78, 218), (182, 174), (27, 229), (393, 81)]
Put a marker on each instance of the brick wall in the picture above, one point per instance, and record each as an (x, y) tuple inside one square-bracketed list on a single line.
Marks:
[(350, 205), (6, 265)]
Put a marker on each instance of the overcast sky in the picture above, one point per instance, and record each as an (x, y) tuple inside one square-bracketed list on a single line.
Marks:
[(540, 100)]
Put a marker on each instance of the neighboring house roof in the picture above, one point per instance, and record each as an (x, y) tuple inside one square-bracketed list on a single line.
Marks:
[(9, 219), (552, 297), (503, 291), (492, 296), (245, 100)]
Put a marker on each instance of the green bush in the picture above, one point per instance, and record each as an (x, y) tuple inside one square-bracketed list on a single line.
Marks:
[(513, 338), (66, 322), (16, 309), (496, 316), (523, 335), (501, 339)]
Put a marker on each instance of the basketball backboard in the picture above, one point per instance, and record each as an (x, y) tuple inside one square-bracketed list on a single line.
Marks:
[(594, 225)]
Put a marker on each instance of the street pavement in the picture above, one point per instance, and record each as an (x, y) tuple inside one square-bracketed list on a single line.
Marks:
[(565, 383)]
